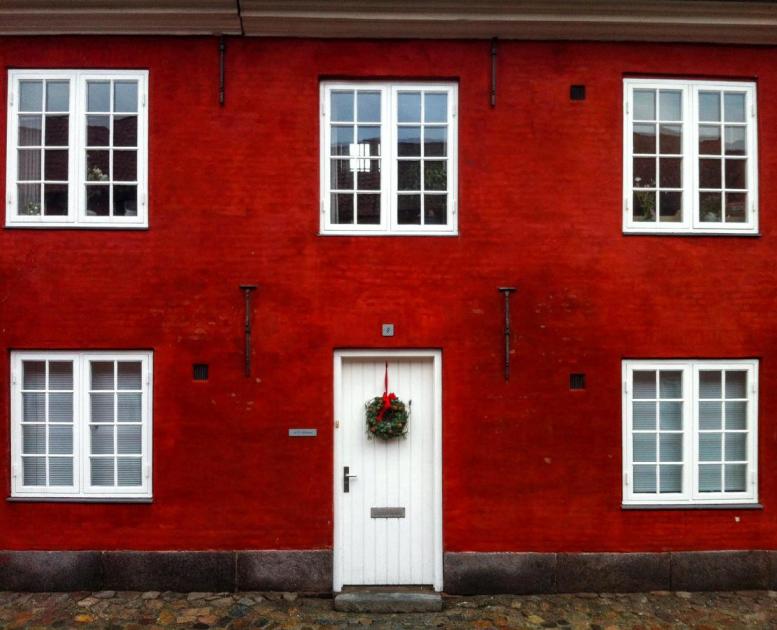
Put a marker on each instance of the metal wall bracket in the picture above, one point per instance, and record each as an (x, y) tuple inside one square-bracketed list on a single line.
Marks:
[(494, 43), (222, 70), (507, 292), (247, 290)]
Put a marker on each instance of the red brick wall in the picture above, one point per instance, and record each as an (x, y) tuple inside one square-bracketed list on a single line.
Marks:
[(528, 465)]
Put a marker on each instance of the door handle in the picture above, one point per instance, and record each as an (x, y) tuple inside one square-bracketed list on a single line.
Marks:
[(347, 479)]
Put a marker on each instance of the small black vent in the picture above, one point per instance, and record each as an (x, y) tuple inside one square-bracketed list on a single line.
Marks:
[(577, 92), (577, 381), (200, 371)]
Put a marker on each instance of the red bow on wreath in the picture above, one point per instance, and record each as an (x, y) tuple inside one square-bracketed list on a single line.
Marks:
[(387, 398)]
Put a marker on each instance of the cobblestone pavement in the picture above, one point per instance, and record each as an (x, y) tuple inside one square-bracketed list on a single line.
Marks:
[(126, 611)]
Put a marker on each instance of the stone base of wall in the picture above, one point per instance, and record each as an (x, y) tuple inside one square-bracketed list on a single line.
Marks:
[(311, 571)]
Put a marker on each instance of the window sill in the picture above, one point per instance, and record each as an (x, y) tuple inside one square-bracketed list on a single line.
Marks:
[(79, 500), (690, 233), (389, 234), (76, 226), (692, 506)]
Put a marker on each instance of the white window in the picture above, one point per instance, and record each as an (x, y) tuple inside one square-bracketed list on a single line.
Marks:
[(388, 158), (690, 432), (77, 149), (81, 424), (690, 157)]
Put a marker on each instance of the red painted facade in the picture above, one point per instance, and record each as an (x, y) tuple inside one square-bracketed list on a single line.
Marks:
[(234, 197)]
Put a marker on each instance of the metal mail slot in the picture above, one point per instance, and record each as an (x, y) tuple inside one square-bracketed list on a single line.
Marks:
[(387, 512), (303, 432)]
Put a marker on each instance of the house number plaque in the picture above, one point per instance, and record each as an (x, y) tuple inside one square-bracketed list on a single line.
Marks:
[(387, 512), (303, 432)]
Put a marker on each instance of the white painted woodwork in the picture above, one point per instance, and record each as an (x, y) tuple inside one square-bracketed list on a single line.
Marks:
[(398, 473)]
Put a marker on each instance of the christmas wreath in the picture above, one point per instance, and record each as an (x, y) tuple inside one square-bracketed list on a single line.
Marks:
[(387, 416)]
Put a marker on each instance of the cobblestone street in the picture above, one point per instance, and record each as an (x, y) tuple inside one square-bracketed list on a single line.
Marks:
[(131, 610)]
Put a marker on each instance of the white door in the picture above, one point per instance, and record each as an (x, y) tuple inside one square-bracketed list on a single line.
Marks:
[(388, 517)]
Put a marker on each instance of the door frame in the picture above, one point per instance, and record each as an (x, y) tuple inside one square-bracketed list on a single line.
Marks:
[(389, 355)]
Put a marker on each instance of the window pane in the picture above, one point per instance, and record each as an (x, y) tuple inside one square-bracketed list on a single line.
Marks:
[(98, 201), (671, 414), (57, 96), (671, 383), (409, 209), (709, 207), (435, 108), (101, 471), (55, 165), (710, 447), (736, 384), (644, 384), (644, 138), (342, 175), (60, 375), (97, 166), (644, 104), (341, 138), (736, 415), (671, 172), (671, 447), (671, 139), (98, 131), (129, 471), (669, 105), (30, 128), (29, 199), (736, 447), (644, 479), (735, 174), (709, 173), (60, 471), (710, 415), (671, 478), (644, 416), (370, 137), (33, 375), (28, 168), (409, 175), (671, 206), (435, 141), (736, 207), (61, 407), (368, 107), (125, 96), (734, 107), (125, 131), (435, 209), (30, 96), (409, 141), (709, 106), (101, 407), (709, 478), (368, 209), (34, 439), (125, 201), (409, 105), (644, 205), (129, 440), (57, 131), (342, 208), (644, 172), (129, 407), (102, 374), (369, 179), (735, 141), (709, 139), (98, 96), (710, 384), (435, 175), (101, 439), (55, 199), (34, 471), (644, 447), (125, 166), (342, 106), (129, 374), (61, 440), (33, 407), (735, 477)]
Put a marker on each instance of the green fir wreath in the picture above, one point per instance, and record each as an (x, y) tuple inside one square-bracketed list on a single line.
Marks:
[(387, 417)]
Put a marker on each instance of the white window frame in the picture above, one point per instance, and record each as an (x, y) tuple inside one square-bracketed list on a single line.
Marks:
[(389, 226), (690, 171), (77, 217), (691, 495), (81, 488)]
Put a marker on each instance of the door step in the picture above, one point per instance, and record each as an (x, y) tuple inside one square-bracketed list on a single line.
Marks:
[(388, 601)]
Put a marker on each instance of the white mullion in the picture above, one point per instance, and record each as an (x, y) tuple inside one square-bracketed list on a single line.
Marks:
[(387, 159), (80, 113), (690, 139), (391, 120)]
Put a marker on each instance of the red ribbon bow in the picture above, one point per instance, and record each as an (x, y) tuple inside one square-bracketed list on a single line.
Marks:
[(387, 398)]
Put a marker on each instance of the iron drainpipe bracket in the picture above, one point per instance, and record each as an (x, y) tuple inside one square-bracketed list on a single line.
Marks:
[(507, 292), (247, 290)]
